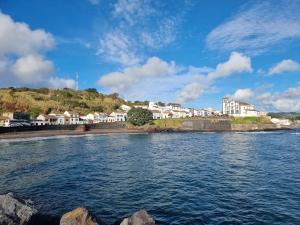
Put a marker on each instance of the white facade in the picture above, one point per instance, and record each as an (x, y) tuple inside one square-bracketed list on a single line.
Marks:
[(72, 117), (97, 117), (283, 122), (118, 116), (156, 114), (235, 108), (125, 108)]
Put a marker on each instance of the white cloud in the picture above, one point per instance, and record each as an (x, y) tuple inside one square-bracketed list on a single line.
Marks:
[(237, 63), (286, 101), (131, 11), (190, 92), (117, 47), (292, 92), (18, 39), (32, 69), (243, 94), (163, 35), (160, 78), (58, 83), (21, 56), (140, 27), (257, 28), (286, 65), (120, 81)]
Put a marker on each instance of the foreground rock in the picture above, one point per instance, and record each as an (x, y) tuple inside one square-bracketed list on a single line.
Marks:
[(15, 211), (139, 218), (79, 216)]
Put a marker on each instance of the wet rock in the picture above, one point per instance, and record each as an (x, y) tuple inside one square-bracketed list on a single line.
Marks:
[(79, 216), (15, 211), (139, 218)]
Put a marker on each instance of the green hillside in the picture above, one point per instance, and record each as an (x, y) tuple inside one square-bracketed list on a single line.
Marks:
[(44, 100)]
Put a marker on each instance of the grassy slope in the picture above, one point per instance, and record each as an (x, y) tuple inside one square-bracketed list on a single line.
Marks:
[(250, 120), (37, 101)]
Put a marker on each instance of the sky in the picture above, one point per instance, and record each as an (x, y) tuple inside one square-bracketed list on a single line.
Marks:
[(184, 51)]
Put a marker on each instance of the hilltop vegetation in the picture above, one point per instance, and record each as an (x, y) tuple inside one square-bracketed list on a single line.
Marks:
[(285, 115), (44, 100)]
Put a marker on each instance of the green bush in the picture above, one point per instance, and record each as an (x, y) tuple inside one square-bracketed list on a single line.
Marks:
[(139, 116)]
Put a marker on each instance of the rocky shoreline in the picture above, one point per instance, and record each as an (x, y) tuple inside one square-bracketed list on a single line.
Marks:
[(18, 211)]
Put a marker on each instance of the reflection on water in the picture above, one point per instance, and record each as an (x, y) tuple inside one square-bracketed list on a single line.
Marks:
[(190, 178)]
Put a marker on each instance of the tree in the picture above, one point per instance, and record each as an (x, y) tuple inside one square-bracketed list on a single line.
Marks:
[(92, 90), (161, 104), (139, 116)]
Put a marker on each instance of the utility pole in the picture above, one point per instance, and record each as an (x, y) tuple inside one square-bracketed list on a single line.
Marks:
[(77, 81)]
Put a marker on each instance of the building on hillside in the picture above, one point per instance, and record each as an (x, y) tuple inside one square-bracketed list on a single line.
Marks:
[(16, 122), (111, 119), (50, 119), (38, 122), (3, 119), (156, 114), (281, 122), (118, 116), (62, 119), (16, 115), (125, 108), (97, 117), (236, 108), (166, 114), (71, 117), (174, 106)]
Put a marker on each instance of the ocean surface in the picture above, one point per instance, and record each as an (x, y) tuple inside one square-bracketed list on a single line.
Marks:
[(179, 178)]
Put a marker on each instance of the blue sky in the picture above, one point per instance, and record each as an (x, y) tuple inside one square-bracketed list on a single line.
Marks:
[(192, 52)]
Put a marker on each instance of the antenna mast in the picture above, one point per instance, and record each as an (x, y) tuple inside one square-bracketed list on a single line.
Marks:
[(77, 81)]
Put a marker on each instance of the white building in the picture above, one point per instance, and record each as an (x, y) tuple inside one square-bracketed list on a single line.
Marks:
[(125, 108), (50, 119), (156, 114), (117, 117), (282, 122), (72, 117), (61, 119), (235, 108), (97, 117)]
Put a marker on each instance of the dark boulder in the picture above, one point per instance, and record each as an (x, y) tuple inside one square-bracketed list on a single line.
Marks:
[(139, 218), (15, 211)]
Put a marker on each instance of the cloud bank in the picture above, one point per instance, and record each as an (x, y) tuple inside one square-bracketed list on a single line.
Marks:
[(286, 65), (257, 28), (21, 56)]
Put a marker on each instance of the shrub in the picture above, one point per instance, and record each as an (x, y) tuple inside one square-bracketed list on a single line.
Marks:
[(139, 116)]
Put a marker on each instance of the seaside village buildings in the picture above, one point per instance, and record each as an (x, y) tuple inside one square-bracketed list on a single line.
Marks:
[(230, 107), (236, 108)]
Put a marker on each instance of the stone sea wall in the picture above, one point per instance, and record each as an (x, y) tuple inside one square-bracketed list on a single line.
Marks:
[(17, 211), (225, 125), (74, 127)]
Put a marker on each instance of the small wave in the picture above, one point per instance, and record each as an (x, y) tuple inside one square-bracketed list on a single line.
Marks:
[(258, 132), (31, 139)]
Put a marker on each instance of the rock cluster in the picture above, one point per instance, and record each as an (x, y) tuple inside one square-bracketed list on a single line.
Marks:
[(15, 211), (139, 218), (79, 216)]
